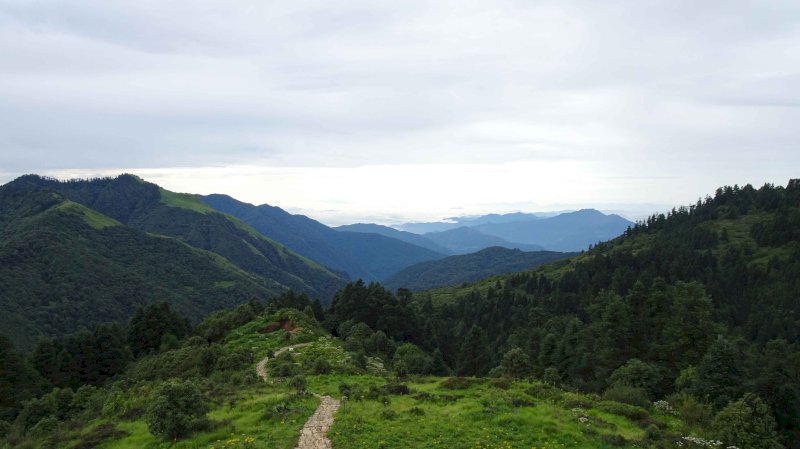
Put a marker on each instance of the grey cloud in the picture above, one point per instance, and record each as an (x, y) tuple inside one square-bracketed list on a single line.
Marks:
[(635, 85)]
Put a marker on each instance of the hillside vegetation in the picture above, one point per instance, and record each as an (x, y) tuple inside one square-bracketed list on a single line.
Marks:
[(146, 207), (456, 270), (201, 391), (84, 252)]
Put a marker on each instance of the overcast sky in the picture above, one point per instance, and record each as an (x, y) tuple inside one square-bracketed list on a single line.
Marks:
[(407, 110)]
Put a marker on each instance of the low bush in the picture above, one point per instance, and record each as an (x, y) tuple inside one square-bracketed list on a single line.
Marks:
[(459, 383), (628, 395), (176, 409), (629, 411)]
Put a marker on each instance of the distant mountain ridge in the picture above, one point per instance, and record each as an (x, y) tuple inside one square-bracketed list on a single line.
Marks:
[(573, 231), (567, 231), (469, 220), (455, 270), (408, 237), (369, 256), (465, 240)]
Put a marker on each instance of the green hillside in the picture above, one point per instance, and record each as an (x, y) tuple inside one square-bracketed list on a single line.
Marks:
[(705, 298), (63, 266), (221, 404), (146, 207)]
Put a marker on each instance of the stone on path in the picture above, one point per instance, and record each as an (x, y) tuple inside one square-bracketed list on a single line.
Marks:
[(315, 432)]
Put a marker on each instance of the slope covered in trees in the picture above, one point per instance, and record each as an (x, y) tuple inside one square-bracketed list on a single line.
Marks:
[(367, 256), (78, 253), (146, 207), (63, 266), (703, 301), (456, 270)]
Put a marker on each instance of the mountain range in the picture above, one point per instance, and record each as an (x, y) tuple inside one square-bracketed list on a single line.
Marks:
[(368, 256), (79, 253), (568, 231)]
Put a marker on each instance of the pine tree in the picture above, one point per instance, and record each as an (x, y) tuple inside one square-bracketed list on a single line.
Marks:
[(474, 359), (438, 365)]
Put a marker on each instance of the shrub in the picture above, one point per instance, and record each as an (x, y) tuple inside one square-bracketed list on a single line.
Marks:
[(5, 428), (638, 374), (629, 411), (176, 408), (44, 427), (653, 432), (614, 440), (544, 391), (459, 383), (416, 411), (551, 376), (99, 435), (747, 423), (503, 383), (521, 402), (320, 366), (413, 359), (516, 364), (396, 388), (388, 414), (298, 383), (692, 411), (627, 395)]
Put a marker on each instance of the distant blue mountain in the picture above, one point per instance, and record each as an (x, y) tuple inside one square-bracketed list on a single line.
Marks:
[(465, 240), (368, 256), (408, 237), (457, 222), (572, 231), (569, 231)]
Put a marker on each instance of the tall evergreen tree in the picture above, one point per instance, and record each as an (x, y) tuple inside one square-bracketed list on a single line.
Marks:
[(474, 359)]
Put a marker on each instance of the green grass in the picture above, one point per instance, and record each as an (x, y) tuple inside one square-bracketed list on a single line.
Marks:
[(184, 201), (271, 416), (253, 336), (481, 416), (92, 218)]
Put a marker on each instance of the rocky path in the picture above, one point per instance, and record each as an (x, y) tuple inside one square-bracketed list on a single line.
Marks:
[(261, 368), (315, 431)]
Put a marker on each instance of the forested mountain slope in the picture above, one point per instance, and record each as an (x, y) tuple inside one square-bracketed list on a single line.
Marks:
[(144, 206), (704, 301), (366, 256), (455, 270), (63, 266)]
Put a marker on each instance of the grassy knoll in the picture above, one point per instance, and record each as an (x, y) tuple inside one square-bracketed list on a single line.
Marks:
[(257, 417), (481, 413)]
